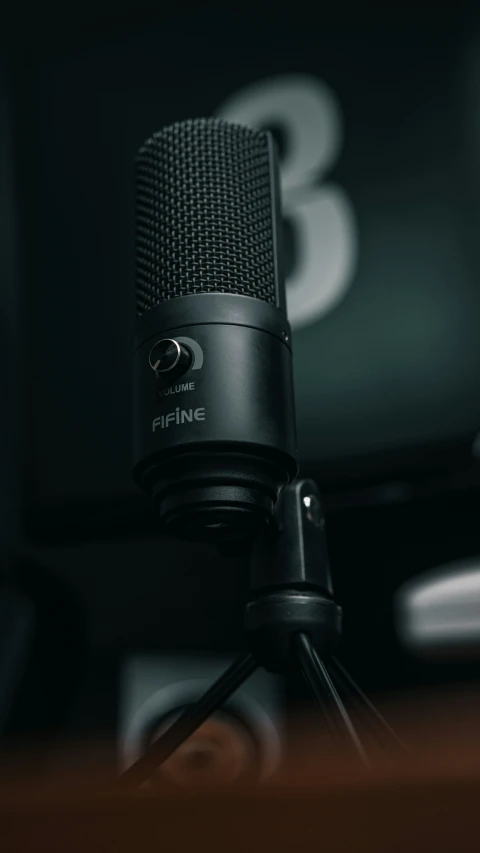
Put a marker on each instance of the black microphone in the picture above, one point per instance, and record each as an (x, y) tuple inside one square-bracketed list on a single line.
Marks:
[(214, 420)]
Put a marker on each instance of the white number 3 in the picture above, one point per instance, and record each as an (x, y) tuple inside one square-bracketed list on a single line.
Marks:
[(308, 114)]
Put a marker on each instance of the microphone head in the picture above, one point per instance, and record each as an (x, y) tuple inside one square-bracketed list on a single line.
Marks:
[(214, 431), (208, 214)]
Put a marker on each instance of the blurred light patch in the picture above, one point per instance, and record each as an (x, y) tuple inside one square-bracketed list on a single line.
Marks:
[(439, 612)]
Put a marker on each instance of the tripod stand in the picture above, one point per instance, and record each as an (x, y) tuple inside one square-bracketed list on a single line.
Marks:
[(290, 617)]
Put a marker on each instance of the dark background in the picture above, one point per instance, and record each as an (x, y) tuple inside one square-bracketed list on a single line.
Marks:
[(386, 380)]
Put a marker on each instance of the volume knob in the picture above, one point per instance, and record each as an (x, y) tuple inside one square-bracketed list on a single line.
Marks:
[(169, 359)]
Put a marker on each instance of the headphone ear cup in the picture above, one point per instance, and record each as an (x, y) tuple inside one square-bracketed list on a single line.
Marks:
[(17, 629), (43, 650), (223, 751), (240, 742)]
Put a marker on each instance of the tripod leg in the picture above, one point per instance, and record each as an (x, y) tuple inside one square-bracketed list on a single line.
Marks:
[(321, 686), (189, 721), (348, 684)]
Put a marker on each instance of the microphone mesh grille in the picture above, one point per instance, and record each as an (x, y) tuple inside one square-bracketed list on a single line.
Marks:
[(204, 220)]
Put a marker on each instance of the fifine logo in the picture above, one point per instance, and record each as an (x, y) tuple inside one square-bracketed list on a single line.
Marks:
[(179, 416)]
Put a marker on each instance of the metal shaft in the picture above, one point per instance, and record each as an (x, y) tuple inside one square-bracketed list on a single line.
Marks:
[(189, 721), (322, 689)]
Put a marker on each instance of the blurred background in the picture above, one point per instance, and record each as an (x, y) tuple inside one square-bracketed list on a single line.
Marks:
[(376, 112)]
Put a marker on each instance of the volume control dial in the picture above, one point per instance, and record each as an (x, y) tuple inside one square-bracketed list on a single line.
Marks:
[(169, 359)]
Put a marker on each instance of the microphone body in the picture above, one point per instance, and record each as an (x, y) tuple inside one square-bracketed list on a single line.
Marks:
[(214, 420)]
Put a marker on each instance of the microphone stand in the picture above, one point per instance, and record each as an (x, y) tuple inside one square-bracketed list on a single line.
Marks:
[(291, 617)]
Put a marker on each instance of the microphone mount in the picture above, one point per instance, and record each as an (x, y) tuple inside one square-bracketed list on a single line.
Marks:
[(291, 617)]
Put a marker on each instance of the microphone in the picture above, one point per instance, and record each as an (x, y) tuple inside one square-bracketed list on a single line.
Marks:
[(214, 421)]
